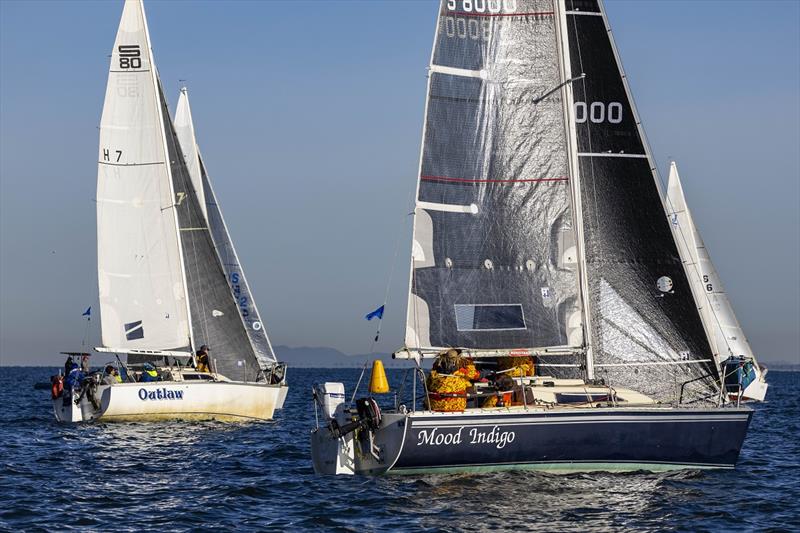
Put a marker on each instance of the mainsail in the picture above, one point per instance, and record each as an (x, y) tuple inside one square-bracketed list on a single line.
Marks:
[(223, 244), (494, 260), (539, 224), (643, 314), (140, 273), (725, 333)]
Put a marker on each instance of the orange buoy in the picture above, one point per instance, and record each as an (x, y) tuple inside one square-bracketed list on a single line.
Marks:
[(377, 382)]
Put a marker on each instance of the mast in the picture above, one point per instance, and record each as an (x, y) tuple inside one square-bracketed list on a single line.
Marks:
[(572, 136), (161, 105)]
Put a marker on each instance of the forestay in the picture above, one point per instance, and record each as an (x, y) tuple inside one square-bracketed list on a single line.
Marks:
[(223, 244), (726, 335), (641, 302), (142, 293), (494, 260)]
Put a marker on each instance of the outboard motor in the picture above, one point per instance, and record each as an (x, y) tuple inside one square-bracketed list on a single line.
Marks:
[(369, 417), (332, 449)]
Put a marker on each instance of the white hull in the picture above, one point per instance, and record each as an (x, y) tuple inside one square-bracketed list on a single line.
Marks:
[(757, 390), (282, 392), (171, 400)]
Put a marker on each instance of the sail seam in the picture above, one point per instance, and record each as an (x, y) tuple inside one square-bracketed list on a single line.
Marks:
[(468, 180), (503, 15), (130, 164)]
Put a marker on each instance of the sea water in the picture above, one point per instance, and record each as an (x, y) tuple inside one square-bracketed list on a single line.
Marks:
[(181, 476)]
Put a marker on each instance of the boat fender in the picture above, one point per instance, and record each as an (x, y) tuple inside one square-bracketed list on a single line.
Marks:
[(57, 386)]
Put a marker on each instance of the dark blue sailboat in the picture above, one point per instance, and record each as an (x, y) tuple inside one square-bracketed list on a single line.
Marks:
[(540, 237)]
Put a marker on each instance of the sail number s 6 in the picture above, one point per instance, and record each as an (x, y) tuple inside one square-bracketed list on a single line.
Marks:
[(130, 56)]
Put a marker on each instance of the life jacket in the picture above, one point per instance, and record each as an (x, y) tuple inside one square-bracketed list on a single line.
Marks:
[(149, 375)]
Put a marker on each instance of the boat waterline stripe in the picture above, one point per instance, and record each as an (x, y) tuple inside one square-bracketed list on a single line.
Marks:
[(503, 15), (449, 208), (561, 466), (591, 13), (607, 154), (558, 422), (467, 180), (194, 229)]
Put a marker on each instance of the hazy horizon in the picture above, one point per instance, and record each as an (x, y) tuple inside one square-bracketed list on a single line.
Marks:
[(309, 118)]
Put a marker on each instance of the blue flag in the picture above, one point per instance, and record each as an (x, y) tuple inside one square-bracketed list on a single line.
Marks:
[(378, 313), (88, 312)]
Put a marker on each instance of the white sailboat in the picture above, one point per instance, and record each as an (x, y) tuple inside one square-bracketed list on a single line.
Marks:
[(163, 290), (733, 353), (545, 281)]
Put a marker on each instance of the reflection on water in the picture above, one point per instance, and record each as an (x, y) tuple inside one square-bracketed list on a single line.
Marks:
[(183, 476)]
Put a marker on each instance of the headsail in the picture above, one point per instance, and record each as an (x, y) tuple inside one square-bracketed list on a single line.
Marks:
[(641, 302), (725, 333), (142, 292), (494, 261), (256, 332)]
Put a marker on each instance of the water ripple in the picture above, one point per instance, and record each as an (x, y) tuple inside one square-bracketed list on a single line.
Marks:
[(197, 476)]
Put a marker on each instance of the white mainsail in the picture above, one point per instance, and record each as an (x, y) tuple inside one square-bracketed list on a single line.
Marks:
[(140, 270), (223, 244), (725, 333)]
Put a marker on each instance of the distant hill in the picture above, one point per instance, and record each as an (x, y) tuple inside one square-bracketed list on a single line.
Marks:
[(322, 357), (782, 366)]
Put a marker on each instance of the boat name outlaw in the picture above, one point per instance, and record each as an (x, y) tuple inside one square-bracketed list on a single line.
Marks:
[(433, 437), (160, 394)]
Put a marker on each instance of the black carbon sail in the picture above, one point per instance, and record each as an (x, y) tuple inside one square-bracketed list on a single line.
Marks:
[(214, 314), (494, 261), (641, 303)]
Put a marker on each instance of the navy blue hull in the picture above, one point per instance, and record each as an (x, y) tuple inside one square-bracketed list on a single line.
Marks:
[(580, 439)]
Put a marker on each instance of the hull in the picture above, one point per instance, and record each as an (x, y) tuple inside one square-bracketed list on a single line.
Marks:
[(166, 400), (559, 440), (755, 392), (282, 392)]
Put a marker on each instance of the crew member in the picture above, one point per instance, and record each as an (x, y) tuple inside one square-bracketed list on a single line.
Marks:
[(68, 365), (149, 373), (111, 376), (202, 359)]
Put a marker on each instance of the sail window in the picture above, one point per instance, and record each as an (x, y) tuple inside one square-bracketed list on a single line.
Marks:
[(489, 317)]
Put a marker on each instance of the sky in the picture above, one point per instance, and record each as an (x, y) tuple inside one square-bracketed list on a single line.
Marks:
[(309, 116)]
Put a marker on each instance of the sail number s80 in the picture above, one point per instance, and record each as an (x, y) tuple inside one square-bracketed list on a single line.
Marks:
[(484, 6), (130, 56)]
